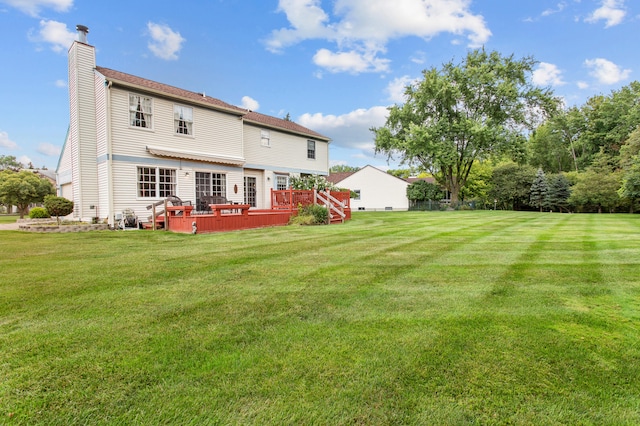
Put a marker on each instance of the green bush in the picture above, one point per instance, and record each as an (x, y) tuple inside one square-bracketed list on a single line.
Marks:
[(58, 206), (311, 214), (39, 213)]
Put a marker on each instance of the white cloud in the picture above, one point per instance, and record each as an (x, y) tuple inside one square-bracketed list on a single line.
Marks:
[(48, 149), (611, 11), (33, 7), (397, 87), (54, 33), (250, 103), (547, 75), (419, 58), (23, 159), (559, 8), (361, 29), (60, 83), (165, 43), (5, 142), (353, 62), (582, 85), (606, 72), (349, 130)]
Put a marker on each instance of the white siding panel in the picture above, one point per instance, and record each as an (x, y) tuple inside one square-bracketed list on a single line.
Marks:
[(101, 115), (66, 191), (125, 186), (378, 190), (213, 132), (286, 152), (83, 129), (64, 172)]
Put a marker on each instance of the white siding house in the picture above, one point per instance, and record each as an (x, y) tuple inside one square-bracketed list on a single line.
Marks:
[(376, 189), (133, 141)]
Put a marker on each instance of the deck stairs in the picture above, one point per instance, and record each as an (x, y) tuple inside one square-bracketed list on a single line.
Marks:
[(334, 206)]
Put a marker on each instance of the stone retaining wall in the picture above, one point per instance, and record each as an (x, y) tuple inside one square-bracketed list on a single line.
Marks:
[(39, 227)]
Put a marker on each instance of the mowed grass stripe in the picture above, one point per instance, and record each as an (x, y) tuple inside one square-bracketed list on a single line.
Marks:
[(391, 318)]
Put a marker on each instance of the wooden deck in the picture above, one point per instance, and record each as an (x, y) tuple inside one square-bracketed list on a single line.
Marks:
[(233, 217)]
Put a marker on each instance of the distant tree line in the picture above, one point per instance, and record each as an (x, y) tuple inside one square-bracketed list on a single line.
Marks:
[(490, 137)]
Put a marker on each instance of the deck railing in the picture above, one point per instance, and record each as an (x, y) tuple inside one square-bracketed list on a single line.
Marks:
[(227, 217), (337, 202)]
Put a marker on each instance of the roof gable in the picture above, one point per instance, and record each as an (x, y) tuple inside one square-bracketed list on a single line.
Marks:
[(253, 117), (139, 83), (339, 177)]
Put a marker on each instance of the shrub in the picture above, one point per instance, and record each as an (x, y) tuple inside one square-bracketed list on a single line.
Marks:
[(310, 182), (39, 213), (311, 214), (58, 206)]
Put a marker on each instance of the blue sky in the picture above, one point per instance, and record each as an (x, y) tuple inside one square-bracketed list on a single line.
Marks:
[(334, 66)]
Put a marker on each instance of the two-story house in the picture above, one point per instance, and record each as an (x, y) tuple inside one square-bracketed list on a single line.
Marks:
[(132, 142)]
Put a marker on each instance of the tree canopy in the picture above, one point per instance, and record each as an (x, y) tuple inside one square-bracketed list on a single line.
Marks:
[(58, 206), (341, 168), (9, 162), (23, 188), (465, 112)]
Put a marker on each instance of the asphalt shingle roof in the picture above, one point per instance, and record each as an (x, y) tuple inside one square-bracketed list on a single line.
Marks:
[(122, 78)]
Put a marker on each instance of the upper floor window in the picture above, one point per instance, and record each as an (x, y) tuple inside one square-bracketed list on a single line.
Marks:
[(156, 182), (140, 111), (311, 150), (265, 138), (183, 120)]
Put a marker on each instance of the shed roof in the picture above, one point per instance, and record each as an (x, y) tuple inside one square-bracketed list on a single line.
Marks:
[(338, 177)]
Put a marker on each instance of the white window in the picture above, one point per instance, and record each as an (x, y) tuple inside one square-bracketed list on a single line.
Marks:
[(140, 111), (282, 182), (265, 138), (211, 188), (311, 150), (156, 182), (183, 120)]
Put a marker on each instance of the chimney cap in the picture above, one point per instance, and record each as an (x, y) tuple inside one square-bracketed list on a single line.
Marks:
[(82, 33)]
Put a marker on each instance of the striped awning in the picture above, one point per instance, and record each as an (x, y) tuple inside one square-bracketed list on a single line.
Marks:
[(196, 156)]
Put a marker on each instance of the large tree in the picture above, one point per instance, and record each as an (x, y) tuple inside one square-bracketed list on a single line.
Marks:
[(538, 192), (511, 185), (630, 188), (9, 162), (23, 188), (558, 192), (597, 188), (553, 145), (465, 112)]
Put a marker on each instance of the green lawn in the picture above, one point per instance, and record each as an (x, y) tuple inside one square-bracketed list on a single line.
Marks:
[(392, 318), (8, 218)]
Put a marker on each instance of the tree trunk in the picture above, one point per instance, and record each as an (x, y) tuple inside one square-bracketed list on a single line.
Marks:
[(455, 195), (23, 209)]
